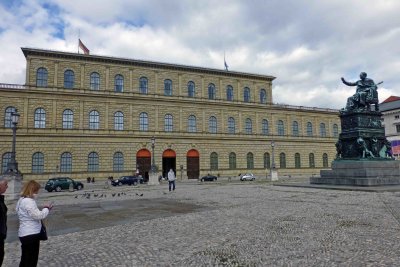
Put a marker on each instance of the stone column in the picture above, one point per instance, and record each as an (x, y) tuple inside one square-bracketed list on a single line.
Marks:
[(14, 185)]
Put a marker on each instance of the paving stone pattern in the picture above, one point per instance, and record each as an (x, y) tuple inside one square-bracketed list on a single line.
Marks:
[(220, 224)]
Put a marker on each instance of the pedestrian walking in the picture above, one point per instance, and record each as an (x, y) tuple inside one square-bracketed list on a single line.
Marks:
[(3, 218), (30, 223), (171, 180)]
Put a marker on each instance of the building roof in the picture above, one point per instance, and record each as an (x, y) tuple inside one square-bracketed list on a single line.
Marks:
[(391, 99), (142, 63), (391, 103)]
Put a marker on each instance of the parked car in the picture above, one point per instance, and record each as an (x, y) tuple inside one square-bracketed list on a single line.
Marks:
[(129, 180), (247, 177), (209, 177), (62, 183)]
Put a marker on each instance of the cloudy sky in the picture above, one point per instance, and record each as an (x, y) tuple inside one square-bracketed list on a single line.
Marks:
[(307, 45)]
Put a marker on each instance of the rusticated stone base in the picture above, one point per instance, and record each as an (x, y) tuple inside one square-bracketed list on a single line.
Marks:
[(360, 173)]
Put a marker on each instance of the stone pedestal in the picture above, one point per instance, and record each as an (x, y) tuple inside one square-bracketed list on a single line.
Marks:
[(360, 173), (274, 175), (14, 186), (153, 178)]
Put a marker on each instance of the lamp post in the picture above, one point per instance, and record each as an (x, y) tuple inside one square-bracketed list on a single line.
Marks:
[(12, 166), (273, 158), (153, 165)]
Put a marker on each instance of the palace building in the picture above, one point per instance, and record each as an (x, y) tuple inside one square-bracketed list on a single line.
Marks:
[(88, 115)]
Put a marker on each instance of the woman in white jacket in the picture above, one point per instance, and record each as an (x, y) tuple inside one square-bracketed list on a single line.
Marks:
[(30, 223)]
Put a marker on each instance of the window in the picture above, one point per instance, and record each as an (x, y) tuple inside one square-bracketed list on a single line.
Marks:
[(37, 162), (250, 161), (94, 120), (7, 117), (263, 96), (212, 124), (246, 94), (5, 159), (41, 77), (248, 126), (69, 78), (322, 130), (281, 128), (40, 118), (398, 128), (229, 93), (309, 129), (335, 130), (143, 121), (214, 161), (66, 162), (264, 127), (211, 91), (232, 161), (68, 119), (191, 89), (94, 81), (297, 162), (143, 83), (168, 87), (119, 83), (396, 116), (231, 125), (168, 123), (267, 161), (325, 160), (192, 124), (311, 160), (295, 128), (118, 162), (93, 162), (118, 121), (282, 160)]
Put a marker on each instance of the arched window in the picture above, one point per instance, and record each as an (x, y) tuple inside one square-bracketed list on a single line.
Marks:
[(264, 127), (143, 121), (69, 78), (322, 130), (267, 161), (191, 89), (282, 160), (66, 162), (143, 85), (94, 81), (93, 162), (118, 162), (212, 124), (335, 130), (250, 161), (295, 128), (309, 129), (249, 126), (37, 162), (118, 121), (40, 118), (168, 123), (229, 93), (311, 160), (7, 117), (68, 119), (41, 77), (231, 125), (246, 94), (263, 96), (232, 160), (94, 120), (214, 161), (167, 87), (325, 163), (211, 91), (281, 128), (119, 83), (192, 128), (5, 159), (297, 162)]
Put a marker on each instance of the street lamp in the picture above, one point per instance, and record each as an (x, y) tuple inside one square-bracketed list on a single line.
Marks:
[(12, 166), (273, 157), (153, 165)]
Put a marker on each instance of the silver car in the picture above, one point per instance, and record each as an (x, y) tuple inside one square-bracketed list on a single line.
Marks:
[(247, 177)]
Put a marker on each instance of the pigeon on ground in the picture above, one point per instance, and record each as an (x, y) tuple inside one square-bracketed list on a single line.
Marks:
[(141, 194), (119, 194), (95, 195), (76, 196), (113, 195)]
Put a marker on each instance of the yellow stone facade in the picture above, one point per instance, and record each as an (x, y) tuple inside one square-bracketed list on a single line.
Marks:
[(53, 140)]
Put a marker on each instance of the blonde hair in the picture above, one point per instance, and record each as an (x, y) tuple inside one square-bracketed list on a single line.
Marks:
[(30, 188)]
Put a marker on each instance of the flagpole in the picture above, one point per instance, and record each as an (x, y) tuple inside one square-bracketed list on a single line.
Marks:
[(79, 37)]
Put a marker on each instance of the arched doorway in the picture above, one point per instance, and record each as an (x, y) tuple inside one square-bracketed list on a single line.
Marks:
[(193, 164), (143, 163), (168, 162)]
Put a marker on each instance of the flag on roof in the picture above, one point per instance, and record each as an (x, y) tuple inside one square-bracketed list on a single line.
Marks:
[(83, 47)]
